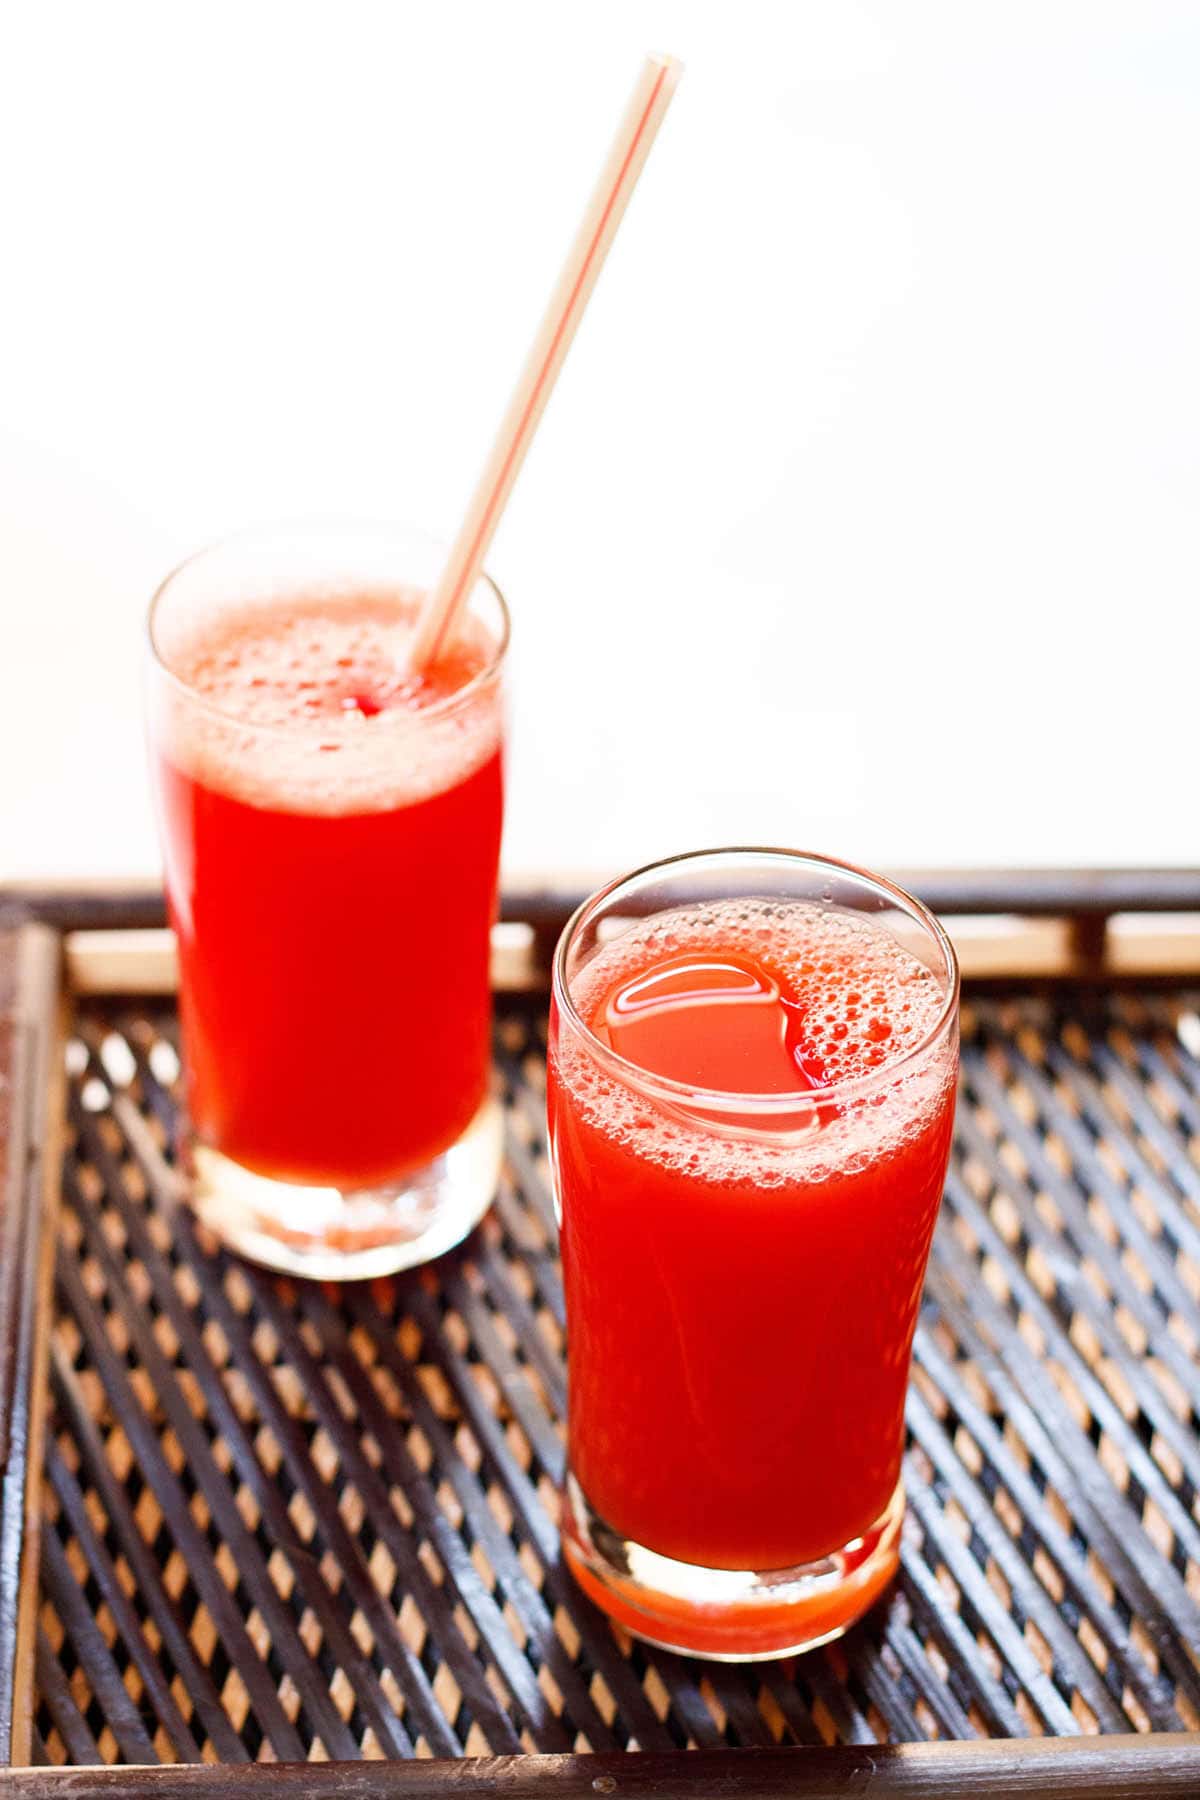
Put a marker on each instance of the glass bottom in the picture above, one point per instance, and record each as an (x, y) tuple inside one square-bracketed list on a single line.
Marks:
[(728, 1615), (350, 1234)]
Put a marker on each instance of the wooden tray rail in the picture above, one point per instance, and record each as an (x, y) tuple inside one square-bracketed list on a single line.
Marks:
[(1008, 924), (1058, 1769)]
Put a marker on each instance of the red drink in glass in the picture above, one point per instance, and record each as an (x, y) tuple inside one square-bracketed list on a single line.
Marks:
[(750, 1102), (331, 832)]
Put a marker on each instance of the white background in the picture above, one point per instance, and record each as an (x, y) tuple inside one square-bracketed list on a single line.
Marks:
[(865, 514)]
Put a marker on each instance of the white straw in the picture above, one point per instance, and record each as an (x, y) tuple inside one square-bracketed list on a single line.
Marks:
[(643, 116)]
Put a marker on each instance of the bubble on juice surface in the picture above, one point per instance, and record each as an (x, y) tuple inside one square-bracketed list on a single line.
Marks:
[(865, 1002), (282, 683)]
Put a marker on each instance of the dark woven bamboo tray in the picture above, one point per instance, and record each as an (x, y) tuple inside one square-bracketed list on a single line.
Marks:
[(283, 1523)]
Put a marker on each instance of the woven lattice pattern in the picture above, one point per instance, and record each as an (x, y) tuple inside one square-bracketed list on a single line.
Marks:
[(287, 1521)]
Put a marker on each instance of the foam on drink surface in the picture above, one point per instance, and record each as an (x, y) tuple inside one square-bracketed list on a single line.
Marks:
[(306, 703), (863, 1001)]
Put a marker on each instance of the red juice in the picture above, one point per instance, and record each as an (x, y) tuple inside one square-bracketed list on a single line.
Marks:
[(331, 837), (742, 1290)]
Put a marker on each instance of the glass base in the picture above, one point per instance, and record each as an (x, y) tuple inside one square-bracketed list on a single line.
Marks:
[(728, 1615), (350, 1234)]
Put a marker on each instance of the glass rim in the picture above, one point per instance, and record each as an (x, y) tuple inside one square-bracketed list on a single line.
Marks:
[(298, 530), (727, 1100)]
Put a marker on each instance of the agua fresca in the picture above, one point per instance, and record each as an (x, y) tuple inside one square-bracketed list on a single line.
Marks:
[(743, 1276), (331, 831)]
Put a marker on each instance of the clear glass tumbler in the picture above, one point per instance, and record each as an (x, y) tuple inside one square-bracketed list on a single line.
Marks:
[(752, 1070), (330, 830)]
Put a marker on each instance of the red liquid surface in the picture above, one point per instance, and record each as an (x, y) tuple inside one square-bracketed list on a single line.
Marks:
[(741, 1313), (333, 963)]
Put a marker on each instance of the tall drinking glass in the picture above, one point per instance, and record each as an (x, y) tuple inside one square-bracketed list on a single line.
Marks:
[(330, 830), (752, 1070)]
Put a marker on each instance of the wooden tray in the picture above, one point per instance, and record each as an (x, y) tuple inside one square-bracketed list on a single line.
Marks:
[(282, 1523)]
